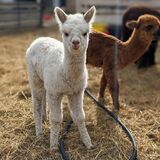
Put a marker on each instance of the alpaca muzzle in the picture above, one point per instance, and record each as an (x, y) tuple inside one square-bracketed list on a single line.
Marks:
[(75, 44)]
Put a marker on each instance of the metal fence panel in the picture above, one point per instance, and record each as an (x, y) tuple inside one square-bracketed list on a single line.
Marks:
[(19, 14)]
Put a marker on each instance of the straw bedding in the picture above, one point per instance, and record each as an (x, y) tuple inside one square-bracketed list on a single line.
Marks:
[(140, 110)]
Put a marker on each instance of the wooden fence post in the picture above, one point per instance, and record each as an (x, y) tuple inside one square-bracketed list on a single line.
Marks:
[(42, 7), (18, 15)]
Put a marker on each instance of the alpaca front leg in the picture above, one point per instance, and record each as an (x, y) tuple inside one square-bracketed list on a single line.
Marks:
[(103, 85), (55, 118), (78, 116), (84, 134)]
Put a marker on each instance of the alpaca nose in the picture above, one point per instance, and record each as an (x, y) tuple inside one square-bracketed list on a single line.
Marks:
[(76, 42)]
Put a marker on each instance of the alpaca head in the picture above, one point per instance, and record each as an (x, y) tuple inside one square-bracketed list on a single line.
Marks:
[(75, 29), (147, 25)]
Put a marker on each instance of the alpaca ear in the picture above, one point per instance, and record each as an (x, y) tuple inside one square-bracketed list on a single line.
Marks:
[(60, 15), (90, 15), (131, 24)]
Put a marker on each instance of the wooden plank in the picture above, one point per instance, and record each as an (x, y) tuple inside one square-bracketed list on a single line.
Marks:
[(9, 24), (8, 15), (20, 4), (20, 17), (152, 3), (20, 13), (14, 24), (15, 11), (28, 23)]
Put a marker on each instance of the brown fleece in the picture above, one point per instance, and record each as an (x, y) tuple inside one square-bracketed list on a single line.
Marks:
[(112, 54)]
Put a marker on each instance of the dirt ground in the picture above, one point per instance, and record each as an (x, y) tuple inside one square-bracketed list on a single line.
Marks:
[(140, 110)]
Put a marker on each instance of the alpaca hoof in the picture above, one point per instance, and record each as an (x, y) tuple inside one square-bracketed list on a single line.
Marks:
[(90, 147), (93, 147), (39, 134), (101, 100), (45, 119), (53, 151), (116, 111)]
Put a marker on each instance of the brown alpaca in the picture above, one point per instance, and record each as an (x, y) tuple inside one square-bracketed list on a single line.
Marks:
[(112, 54)]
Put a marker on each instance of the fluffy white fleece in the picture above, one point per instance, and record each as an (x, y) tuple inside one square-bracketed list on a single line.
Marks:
[(56, 69)]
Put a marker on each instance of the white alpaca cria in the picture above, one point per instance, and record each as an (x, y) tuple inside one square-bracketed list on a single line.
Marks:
[(56, 69)]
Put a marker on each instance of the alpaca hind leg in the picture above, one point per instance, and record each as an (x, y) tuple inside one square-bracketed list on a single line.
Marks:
[(78, 116), (45, 113), (114, 91), (99, 112), (37, 95), (55, 118), (37, 91)]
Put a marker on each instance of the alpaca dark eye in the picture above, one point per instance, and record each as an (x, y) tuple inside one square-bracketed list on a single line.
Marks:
[(66, 34), (84, 34), (149, 27)]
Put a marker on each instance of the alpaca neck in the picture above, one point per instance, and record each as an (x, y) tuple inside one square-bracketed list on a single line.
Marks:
[(74, 64), (134, 48)]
